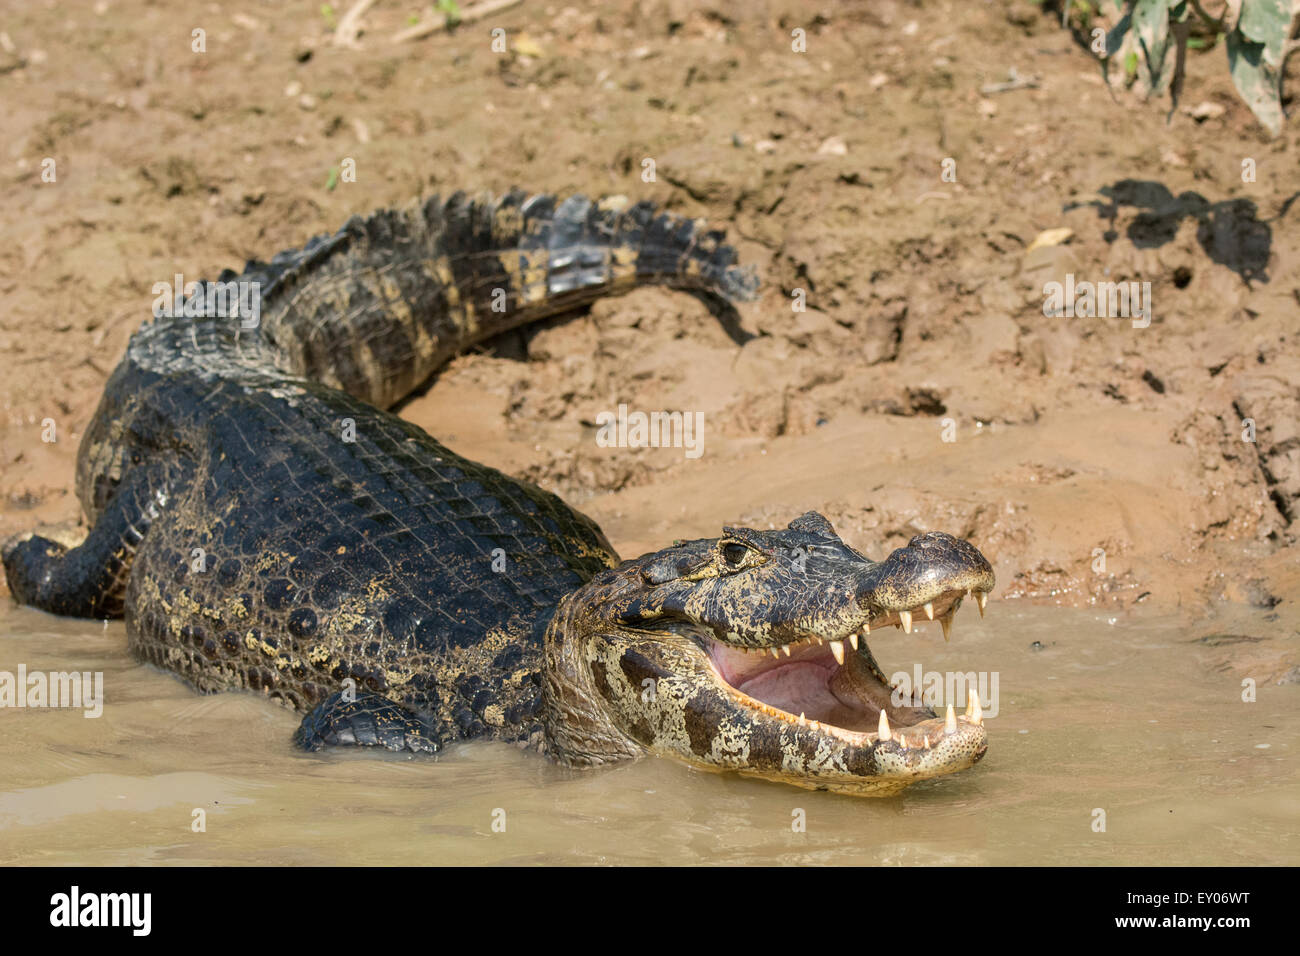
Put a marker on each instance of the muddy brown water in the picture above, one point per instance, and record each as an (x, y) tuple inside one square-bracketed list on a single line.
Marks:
[(1112, 714)]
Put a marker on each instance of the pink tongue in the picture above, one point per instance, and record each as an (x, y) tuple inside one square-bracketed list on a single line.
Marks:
[(795, 688)]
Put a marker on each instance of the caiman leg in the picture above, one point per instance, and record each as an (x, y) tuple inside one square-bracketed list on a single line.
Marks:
[(370, 720), (90, 579)]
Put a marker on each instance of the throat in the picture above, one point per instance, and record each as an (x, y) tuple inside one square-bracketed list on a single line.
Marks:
[(813, 684), (805, 687)]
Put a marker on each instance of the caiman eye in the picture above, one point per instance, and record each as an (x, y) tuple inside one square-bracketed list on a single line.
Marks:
[(734, 554)]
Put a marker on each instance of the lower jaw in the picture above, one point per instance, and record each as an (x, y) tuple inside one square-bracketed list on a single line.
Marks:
[(860, 765)]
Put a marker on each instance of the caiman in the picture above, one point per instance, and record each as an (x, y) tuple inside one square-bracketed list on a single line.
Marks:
[(263, 522)]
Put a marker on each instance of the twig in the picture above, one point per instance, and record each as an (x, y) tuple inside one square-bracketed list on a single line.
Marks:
[(349, 28), (1014, 81), (476, 12)]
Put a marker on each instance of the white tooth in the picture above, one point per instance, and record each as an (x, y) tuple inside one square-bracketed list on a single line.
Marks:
[(786, 649), (973, 712), (814, 725), (946, 623), (866, 627), (950, 722), (837, 648), (853, 639), (926, 741), (884, 727), (981, 599), (929, 610), (820, 641), (775, 652), (906, 618), (801, 718)]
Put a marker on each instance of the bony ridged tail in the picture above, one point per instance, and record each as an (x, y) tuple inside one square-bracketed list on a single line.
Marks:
[(380, 305)]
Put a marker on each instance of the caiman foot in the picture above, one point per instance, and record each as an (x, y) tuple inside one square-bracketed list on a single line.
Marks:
[(370, 720)]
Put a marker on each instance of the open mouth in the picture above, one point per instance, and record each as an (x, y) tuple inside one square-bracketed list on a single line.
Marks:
[(835, 685)]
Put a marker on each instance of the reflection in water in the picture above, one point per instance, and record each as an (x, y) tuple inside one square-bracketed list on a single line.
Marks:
[(1125, 717)]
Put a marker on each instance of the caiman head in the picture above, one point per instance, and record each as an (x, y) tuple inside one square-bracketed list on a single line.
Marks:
[(749, 652)]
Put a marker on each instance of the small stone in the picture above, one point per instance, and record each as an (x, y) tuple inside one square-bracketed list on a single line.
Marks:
[(765, 146), (1204, 111), (833, 146), (1170, 158), (293, 89), (307, 101), (527, 46), (1051, 237)]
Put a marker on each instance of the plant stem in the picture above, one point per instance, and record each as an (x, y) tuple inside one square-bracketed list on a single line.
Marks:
[(1218, 25)]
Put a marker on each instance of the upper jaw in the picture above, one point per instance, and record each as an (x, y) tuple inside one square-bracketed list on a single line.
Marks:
[(929, 577), (931, 566), (937, 605)]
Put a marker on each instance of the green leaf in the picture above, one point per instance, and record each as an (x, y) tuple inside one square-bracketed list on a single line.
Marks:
[(1266, 22), (1151, 37), (1151, 24), (451, 10), (1115, 38), (333, 179), (1256, 79)]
